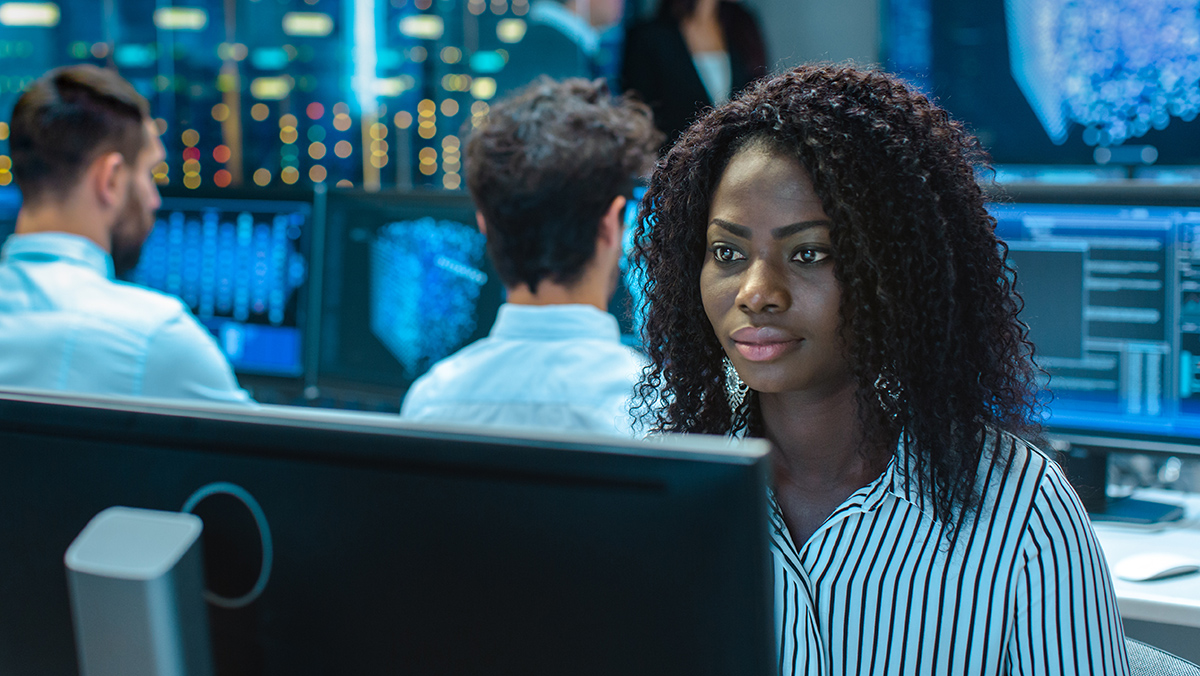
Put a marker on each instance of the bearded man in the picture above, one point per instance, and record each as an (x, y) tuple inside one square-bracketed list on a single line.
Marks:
[(83, 150)]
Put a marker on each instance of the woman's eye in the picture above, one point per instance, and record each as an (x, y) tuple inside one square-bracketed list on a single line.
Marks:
[(810, 256), (725, 254)]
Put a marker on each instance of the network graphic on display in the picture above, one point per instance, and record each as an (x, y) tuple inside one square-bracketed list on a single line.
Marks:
[(425, 282), (241, 266), (1117, 68)]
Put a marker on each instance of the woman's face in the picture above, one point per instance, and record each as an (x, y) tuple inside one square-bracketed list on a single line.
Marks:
[(767, 282)]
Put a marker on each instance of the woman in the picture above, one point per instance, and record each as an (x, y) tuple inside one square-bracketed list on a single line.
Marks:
[(693, 54), (822, 272)]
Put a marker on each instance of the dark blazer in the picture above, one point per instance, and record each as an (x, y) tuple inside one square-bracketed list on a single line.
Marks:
[(658, 66)]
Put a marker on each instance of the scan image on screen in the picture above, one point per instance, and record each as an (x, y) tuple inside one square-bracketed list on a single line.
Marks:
[(240, 266), (425, 281), (1116, 68), (406, 283)]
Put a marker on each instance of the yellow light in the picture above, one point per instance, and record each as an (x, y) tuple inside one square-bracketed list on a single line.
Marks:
[(499, 6), (394, 86), (226, 82), (511, 31), (451, 54), (288, 135), (417, 54), (341, 122), (259, 112), (317, 174), (345, 183), (483, 88), (343, 149), (232, 51), (378, 131), (451, 143), (422, 26), (308, 24), (290, 175), (288, 120), (480, 108), (451, 166), (29, 14), (452, 181), (316, 150), (192, 181), (180, 19), (161, 168), (341, 109), (262, 177), (520, 8), (3, 131), (449, 107), (428, 169), (5, 178), (426, 132), (191, 166), (220, 112), (160, 125), (379, 147), (271, 88), (476, 8), (5, 163), (428, 156), (403, 119), (379, 161), (426, 107), (190, 137)]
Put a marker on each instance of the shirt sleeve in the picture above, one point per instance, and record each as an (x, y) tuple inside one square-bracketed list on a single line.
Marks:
[(184, 362), (1067, 621)]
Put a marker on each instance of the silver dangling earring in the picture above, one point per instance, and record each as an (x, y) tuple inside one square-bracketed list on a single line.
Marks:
[(888, 391), (735, 388)]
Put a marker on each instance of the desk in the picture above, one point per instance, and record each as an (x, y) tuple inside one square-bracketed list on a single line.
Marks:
[(1163, 613)]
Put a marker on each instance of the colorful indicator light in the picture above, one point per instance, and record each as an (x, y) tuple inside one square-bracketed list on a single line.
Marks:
[(180, 19), (307, 24), (45, 14)]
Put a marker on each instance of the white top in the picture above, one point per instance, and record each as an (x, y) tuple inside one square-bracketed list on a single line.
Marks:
[(557, 367), (876, 590), (716, 73), (66, 324)]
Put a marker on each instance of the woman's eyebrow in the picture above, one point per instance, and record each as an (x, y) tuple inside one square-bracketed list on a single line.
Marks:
[(778, 233)]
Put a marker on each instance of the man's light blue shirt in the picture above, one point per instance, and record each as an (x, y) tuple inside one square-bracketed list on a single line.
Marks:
[(67, 324), (557, 367)]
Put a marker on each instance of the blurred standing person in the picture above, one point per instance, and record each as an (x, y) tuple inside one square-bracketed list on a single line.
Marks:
[(692, 55), (563, 39)]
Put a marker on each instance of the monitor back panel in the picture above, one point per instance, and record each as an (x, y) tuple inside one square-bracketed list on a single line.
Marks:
[(397, 551)]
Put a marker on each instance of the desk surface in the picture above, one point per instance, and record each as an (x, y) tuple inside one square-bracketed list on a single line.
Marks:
[(1170, 601)]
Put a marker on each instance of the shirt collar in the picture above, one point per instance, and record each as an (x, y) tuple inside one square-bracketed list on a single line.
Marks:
[(554, 322), (555, 15), (50, 247)]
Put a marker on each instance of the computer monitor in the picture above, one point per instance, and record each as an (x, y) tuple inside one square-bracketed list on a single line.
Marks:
[(1112, 299), (400, 548), (240, 260), (406, 283), (10, 204)]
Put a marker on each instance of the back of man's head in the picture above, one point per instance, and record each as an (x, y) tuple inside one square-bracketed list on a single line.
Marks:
[(67, 118), (545, 167)]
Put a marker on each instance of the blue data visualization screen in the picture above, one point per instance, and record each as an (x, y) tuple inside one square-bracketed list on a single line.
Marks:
[(1112, 301), (241, 266)]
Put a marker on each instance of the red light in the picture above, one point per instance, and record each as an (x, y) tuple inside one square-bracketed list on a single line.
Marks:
[(315, 110), (221, 153), (222, 178), (191, 154)]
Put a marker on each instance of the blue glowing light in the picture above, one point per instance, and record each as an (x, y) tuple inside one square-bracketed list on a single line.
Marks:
[(425, 282), (1119, 68)]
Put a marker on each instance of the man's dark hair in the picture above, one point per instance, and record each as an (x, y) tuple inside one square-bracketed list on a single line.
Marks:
[(544, 168), (66, 119)]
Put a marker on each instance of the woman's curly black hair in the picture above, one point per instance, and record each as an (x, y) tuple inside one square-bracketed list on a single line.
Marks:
[(928, 310)]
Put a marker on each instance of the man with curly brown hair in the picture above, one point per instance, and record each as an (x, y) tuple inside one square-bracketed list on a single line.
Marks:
[(549, 171)]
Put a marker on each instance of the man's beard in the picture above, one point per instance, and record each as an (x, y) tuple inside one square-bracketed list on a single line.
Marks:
[(129, 234)]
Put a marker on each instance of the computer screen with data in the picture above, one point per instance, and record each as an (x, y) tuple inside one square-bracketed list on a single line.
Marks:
[(1110, 277), (406, 283), (241, 264)]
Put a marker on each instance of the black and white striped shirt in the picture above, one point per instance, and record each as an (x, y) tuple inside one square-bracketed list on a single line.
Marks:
[(877, 590)]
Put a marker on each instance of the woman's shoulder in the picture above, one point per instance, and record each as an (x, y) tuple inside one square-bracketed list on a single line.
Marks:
[(1025, 485)]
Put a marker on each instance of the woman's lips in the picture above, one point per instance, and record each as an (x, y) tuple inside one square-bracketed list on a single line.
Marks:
[(762, 343)]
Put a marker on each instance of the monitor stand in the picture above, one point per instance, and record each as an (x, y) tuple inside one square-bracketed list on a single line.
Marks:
[(1087, 470)]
